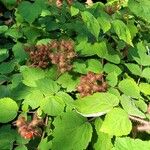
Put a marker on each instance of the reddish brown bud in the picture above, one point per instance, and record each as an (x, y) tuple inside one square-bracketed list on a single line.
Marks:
[(87, 88), (95, 88), (104, 85), (83, 79), (20, 122), (80, 88), (99, 77)]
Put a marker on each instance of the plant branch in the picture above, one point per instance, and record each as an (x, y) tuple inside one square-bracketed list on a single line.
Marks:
[(46, 122), (141, 121), (144, 128)]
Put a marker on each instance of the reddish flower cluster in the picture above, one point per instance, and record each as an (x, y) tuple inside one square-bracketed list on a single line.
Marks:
[(111, 9), (91, 83), (39, 56), (59, 3), (63, 55), (28, 130), (59, 53)]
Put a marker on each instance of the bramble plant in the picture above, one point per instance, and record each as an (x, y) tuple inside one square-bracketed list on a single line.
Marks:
[(74, 75)]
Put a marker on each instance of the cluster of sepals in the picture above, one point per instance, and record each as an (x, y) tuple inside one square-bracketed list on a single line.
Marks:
[(91, 83), (59, 53), (29, 129)]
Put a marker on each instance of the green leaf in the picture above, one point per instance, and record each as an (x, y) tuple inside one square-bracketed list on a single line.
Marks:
[(20, 91), (43, 41), (108, 68), (7, 67), (141, 105), (104, 21), (25, 8), (94, 65), (114, 91), (17, 50), (112, 56), (68, 100), (126, 143), (117, 123), (21, 147), (52, 72), (3, 29), (16, 79), (145, 88), (122, 31), (7, 137), (84, 67), (104, 140), (133, 28), (4, 91), (91, 23), (139, 54), (3, 79), (68, 82), (31, 75), (88, 49), (130, 88), (10, 4), (21, 141), (45, 12), (74, 11), (141, 48), (100, 49), (9, 110), (96, 105), (143, 59), (146, 73), (140, 8), (45, 144), (14, 33), (80, 67), (52, 105), (130, 107), (47, 86), (3, 54), (72, 132), (134, 68), (33, 98), (32, 33), (112, 79)]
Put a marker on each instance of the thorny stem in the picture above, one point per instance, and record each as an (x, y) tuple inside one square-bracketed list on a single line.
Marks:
[(102, 61), (143, 128), (91, 119), (145, 125), (139, 77), (46, 122), (142, 121)]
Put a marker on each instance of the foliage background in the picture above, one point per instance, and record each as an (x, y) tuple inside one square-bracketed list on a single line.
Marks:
[(110, 38)]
